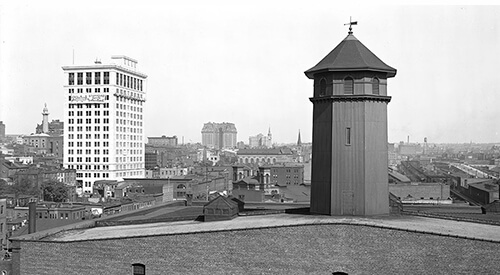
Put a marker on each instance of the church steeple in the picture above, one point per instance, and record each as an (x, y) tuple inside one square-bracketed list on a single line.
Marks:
[(299, 142)]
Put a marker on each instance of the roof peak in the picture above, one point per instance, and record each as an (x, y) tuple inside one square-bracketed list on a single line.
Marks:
[(350, 55), (351, 36)]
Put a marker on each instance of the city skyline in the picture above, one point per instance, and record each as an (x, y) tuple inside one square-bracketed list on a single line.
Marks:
[(245, 64)]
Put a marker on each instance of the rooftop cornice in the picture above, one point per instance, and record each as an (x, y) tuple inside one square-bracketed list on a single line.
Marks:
[(346, 98), (102, 66)]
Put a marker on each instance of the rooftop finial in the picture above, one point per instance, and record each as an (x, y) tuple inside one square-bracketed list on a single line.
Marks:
[(350, 24)]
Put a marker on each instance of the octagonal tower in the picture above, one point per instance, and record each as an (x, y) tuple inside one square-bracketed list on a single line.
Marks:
[(349, 151)]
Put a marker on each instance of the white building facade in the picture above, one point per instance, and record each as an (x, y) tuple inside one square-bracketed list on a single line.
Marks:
[(103, 121)]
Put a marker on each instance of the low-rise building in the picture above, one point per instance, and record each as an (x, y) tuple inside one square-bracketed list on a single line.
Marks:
[(219, 209), (484, 192), (286, 174), (430, 192), (163, 141), (45, 144), (249, 189)]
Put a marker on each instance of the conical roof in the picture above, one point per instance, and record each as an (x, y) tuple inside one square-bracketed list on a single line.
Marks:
[(350, 55)]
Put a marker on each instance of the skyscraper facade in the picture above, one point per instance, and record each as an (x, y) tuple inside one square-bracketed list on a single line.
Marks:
[(219, 135), (103, 129)]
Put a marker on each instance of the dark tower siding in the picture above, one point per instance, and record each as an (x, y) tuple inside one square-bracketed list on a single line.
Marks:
[(349, 177), (321, 171)]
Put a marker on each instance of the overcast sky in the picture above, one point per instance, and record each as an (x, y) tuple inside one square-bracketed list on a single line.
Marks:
[(223, 62)]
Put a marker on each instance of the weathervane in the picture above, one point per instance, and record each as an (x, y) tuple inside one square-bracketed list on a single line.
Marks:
[(350, 24)]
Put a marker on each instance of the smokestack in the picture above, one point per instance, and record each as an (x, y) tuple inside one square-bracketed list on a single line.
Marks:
[(32, 217), (408, 139)]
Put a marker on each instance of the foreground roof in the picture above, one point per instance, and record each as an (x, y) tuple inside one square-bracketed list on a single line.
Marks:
[(410, 223), (350, 55)]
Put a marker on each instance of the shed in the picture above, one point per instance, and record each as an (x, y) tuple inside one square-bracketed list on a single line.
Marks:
[(220, 208)]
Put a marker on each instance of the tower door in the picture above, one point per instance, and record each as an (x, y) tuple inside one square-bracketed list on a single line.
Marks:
[(347, 203)]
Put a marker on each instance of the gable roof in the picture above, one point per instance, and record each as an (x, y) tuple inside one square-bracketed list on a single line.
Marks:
[(221, 202), (247, 181), (350, 55)]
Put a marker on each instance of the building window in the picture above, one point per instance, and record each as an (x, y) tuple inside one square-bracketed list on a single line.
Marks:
[(106, 77), (139, 269), (348, 85), (375, 86), (79, 78), (347, 136), (88, 78), (322, 87), (97, 78), (71, 79)]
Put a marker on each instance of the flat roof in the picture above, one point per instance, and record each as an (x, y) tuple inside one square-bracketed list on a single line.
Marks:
[(103, 67), (410, 223)]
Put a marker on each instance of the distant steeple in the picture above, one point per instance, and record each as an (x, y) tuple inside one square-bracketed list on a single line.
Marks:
[(269, 132), (299, 142)]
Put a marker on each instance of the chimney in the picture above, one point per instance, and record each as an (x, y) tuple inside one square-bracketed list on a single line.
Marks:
[(32, 217)]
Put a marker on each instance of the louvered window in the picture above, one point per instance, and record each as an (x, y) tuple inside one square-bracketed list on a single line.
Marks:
[(375, 86), (348, 85), (322, 87)]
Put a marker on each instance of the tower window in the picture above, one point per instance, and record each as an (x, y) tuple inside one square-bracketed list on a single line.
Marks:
[(139, 269), (322, 87), (375, 86), (347, 136), (348, 85)]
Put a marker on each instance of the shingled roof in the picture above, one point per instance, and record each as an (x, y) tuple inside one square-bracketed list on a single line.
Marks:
[(350, 55)]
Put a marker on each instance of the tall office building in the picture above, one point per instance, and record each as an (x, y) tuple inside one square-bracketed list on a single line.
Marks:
[(103, 129), (219, 135), (260, 141)]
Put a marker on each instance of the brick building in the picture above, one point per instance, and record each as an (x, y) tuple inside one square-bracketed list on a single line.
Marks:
[(163, 141), (420, 191), (317, 246), (484, 192)]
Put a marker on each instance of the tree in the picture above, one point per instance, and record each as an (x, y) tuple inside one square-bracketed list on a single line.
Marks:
[(54, 191), (4, 188), (24, 186)]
